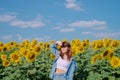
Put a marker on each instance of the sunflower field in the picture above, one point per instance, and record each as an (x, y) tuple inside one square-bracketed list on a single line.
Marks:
[(32, 60)]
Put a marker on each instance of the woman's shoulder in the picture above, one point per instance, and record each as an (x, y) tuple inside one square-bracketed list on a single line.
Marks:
[(73, 60)]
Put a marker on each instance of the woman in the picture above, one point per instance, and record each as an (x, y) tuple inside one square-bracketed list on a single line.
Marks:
[(64, 66)]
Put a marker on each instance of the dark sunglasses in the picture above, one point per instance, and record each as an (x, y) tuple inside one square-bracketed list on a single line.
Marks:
[(63, 46)]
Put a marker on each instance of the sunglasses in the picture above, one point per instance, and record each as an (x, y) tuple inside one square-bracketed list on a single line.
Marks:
[(63, 46)]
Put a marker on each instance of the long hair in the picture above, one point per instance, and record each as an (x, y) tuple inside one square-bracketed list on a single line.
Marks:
[(69, 52)]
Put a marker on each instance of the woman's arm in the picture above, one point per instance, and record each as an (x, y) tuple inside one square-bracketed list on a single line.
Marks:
[(54, 48), (72, 71)]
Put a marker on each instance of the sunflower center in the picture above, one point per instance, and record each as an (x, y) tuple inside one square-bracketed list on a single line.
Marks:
[(105, 53), (114, 44), (15, 57), (116, 62), (4, 49), (32, 56)]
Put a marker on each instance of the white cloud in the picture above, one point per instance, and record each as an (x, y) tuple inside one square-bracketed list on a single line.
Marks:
[(102, 27), (63, 29), (72, 4), (102, 34), (67, 30), (7, 18), (107, 34), (20, 38), (26, 24), (45, 38), (7, 37), (12, 13), (94, 24), (13, 21), (86, 33), (57, 28)]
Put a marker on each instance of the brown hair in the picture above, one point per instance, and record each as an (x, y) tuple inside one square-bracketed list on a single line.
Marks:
[(69, 53)]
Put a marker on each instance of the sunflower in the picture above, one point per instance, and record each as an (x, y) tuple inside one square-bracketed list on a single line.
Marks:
[(25, 43), (107, 54), (58, 47), (23, 51), (52, 56), (64, 40), (77, 42), (73, 42), (74, 52), (31, 57), (1, 44), (80, 49), (4, 57), (15, 45), (47, 46), (4, 48), (111, 53), (34, 41), (37, 49), (87, 41), (15, 57), (1, 49), (106, 43), (41, 43), (9, 47), (95, 57), (52, 41), (84, 43), (6, 63), (19, 62), (72, 45), (93, 44), (114, 44), (31, 45), (99, 44), (11, 43), (115, 62)]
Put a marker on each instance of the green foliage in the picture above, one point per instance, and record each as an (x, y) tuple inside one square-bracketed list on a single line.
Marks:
[(41, 67), (100, 70)]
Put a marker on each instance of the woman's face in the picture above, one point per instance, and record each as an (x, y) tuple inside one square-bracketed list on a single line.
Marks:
[(64, 49)]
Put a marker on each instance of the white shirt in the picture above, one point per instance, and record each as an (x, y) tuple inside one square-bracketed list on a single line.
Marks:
[(62, 63)]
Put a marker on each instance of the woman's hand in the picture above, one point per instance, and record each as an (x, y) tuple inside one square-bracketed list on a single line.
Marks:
[(59, 43)]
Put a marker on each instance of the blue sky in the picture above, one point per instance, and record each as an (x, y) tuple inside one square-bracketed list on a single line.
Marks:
[(47, 20)]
